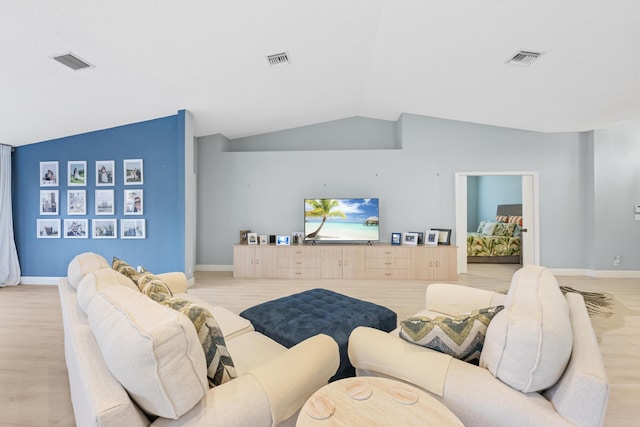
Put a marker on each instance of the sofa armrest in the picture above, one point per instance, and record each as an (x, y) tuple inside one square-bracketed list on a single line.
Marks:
[(374, 350), (176, 281), (291, 378), (458, 299), (240, 402), (270, 394)]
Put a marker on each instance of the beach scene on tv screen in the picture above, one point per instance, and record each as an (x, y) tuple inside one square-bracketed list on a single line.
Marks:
[(341, 219)]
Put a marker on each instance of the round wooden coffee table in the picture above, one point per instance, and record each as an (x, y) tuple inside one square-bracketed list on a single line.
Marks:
[(372, 401)]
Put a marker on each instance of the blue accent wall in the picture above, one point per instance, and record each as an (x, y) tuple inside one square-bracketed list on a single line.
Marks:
[(160, 143)]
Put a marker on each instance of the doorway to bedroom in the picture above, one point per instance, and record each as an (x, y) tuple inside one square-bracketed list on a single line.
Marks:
[(480, 196)]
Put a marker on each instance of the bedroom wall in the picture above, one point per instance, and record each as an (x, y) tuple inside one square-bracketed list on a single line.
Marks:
[(616, 192), (160, 143), (497, 190), (263, 190)]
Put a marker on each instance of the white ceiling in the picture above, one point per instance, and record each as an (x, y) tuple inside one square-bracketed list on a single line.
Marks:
[(371, 58)]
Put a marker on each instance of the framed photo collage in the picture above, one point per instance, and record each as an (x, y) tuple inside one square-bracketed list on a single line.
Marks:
[(103, 225)]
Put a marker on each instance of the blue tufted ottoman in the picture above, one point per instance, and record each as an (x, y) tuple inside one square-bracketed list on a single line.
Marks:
[(292, 319)]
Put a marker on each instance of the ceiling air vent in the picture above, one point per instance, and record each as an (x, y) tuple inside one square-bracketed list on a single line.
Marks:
[(72, 61), (278, 59), (524, 57)]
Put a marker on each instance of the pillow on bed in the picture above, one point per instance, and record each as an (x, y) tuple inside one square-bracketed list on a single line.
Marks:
[(503, 229), (489, 228), (502, 218), (481, 226), (515, 219)]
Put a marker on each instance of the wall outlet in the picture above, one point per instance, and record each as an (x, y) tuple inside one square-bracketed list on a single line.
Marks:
[(616, 260)]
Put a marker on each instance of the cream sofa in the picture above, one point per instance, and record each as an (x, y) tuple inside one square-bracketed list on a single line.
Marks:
[(133, 362), (540, 365)]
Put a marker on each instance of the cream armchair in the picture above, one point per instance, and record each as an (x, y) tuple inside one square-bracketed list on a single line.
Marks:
[(524, 378)]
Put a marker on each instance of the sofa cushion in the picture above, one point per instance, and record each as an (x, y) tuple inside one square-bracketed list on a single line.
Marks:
[(98, 280), (220, 367), (152, 350), (528, 344), (84, 264), (230, 323), (461, 337)]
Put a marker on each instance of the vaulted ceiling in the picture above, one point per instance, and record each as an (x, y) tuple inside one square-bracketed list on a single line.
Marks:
[(372, 58)]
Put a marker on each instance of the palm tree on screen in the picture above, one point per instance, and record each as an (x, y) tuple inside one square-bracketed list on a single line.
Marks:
[(323, 208)]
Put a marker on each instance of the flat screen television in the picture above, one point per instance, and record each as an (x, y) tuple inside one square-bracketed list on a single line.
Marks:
[(341, 220)]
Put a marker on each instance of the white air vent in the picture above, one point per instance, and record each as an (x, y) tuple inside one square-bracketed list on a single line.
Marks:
[(72, 61), (278, 59), (524, 57)]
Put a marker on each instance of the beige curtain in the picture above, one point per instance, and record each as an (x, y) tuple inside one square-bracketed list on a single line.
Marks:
[(9, 265)]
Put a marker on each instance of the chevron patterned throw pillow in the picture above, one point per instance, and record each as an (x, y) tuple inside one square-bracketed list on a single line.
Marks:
[(461, 337)]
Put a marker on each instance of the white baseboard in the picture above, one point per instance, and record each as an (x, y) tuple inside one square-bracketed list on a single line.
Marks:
[(616, 274), (36, 280), (211, 267)]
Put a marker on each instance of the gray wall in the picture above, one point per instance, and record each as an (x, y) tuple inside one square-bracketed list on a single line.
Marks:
[(616, 192), (410, 166)]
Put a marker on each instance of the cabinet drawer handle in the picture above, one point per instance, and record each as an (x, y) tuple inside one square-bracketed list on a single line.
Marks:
[(437, 263), (387, 263), (298, 262), (387, 252), (387, 274), (298, 273)]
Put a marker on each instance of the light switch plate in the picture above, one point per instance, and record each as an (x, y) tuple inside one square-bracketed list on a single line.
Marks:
[(638, 209)]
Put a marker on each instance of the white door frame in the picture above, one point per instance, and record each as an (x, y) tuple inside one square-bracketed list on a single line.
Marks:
[(530, 216)]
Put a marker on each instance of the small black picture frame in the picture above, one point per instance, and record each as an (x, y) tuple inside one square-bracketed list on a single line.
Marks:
[(445, 236)]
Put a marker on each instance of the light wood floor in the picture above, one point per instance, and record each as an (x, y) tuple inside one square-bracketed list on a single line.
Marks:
[(34, 389)]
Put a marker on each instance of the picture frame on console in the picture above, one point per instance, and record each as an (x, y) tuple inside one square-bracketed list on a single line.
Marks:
[(252, 238), (283, 240), (420, 237), (396, 238), (298, 237), (263, 239), (444, 237), (432, 237), (244, 238), (410, 239)]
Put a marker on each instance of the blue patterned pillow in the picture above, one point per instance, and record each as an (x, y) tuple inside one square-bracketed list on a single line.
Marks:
[(461, 337)]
